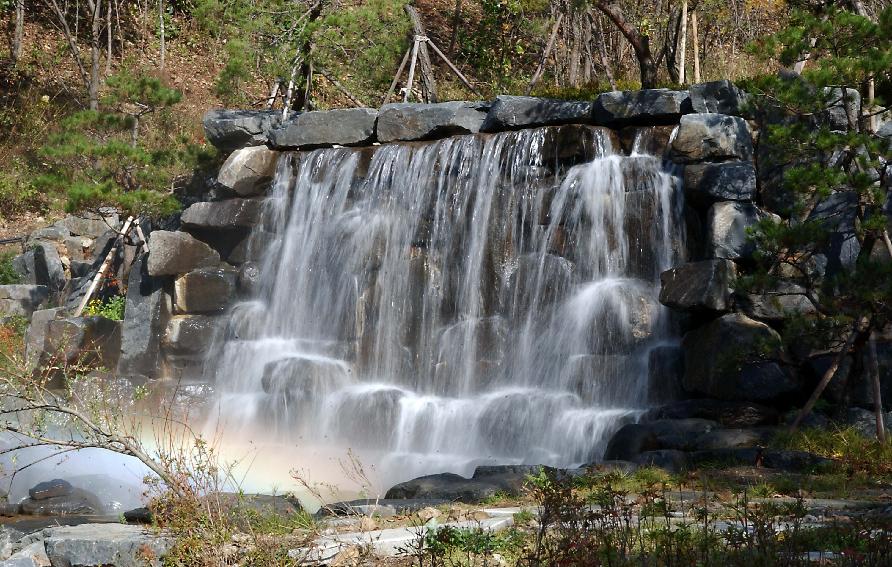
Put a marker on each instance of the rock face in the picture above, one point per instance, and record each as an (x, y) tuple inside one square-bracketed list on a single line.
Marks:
[(230, 130), (720, 97), (206, 290), (730, 181), (84, 340), (228, 214), (41, 265), (702, 285), (146, 310), (412, 121), (728, 413), (90, 225), (774, 304), (649, 106), (513, 112), (725, 359), (486, 483), (711, 137), (344, 127), (727, 224), (35, 336), (248, 171), (172, 253)]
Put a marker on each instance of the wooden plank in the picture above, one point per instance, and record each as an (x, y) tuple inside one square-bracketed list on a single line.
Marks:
[(411, 71), (428, 82), (396, 77)]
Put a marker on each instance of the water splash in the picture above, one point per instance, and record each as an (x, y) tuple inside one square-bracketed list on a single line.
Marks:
[(479, 299)]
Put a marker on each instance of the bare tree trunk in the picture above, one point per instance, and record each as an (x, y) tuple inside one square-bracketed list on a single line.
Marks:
[(602, 50), (573, 70), (427, 72), (683, 41), (108, 33), (18, 32), (695, 46), (456, 19), (548, 47), (118, 28), (639, 41), (877, 391), (161, 33), (95, 52), (71, 39)]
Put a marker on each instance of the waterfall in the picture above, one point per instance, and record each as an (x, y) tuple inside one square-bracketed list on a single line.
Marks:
[(477, 299)]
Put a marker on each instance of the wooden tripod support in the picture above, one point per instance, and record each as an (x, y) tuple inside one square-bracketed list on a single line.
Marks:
[(412, 57), (130, 222)]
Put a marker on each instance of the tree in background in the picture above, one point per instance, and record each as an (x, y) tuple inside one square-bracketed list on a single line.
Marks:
[(831, 184), (96, 158)]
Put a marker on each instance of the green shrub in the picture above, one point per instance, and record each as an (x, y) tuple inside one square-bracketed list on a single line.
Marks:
[(8, 275), (112, 308)]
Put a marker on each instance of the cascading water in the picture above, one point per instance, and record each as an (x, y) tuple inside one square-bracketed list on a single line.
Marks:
[(479, 299)]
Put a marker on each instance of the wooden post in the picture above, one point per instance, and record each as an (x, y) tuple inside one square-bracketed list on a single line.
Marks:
[(411, 70), (548, 47), (695, 47), (427, 72), (102, 268), (396, 78), (877, 391)]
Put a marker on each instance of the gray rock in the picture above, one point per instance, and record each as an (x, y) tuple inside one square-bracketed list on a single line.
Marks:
[(724, 359), (665, 368), (190, 334), (229, 130), (711, 137), (41, 265), (733, 439), (726, 227), (33, 555), (413, 121), (320, 128), (88, 341), (670, 460), (205, 290), (75, 502), (50, 489), (445, 486), (629, 441), (706, 183), (734, 413), (79, 248), (719, 97), (510, 479), (702, 285), (35, 336), (514, 112), (647, 106), (146, 311), (90, 225), (794, 461), (248, 281), (745, 456), (22, 299), (844, 109), (838, 214), (864, 421), (248, 171), (55, 233), (172, 253), (774, 304), (228, 214), (302, 378), (95, 545)]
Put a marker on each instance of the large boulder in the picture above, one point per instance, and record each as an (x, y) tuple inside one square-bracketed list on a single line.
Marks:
[(22, 299), (119, 545), (515, 112), (647, 106), (843, 109), (62, 501), (190, 334), (706, 183), (629, 441), (671, 460), (35, 336), (41, 265), (702, 285), (205, 290), (172, 253), (414, 121), (145, 315), (730, 359), (222, 215), (719, 97), (229, 130), (248, 171), (90, 341), (448, 486), (727, 224), (633, 439), (711, 137), (320, 128), (775, 304), (90, 225), (838, 214)]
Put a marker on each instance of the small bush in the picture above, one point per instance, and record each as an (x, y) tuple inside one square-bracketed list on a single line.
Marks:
[(849, 448), (112, 308), (8, 274)]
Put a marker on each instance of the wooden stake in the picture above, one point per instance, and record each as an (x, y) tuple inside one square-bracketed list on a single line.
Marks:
[(453, 68), (411, 70), (877, 392), (427, 72), (683, 41), (548, 47), (105, 264), (396, 77)]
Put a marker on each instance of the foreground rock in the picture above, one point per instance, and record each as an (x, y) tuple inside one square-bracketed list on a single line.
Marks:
[(146, 310), (702, 285), (172, 253), (321, 128), (222, 215), (486, 482), (248, 171), (712, 137), (22, 300), (90, 341), (705, 183), (412, 121), (720, 97), (648, 106)]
